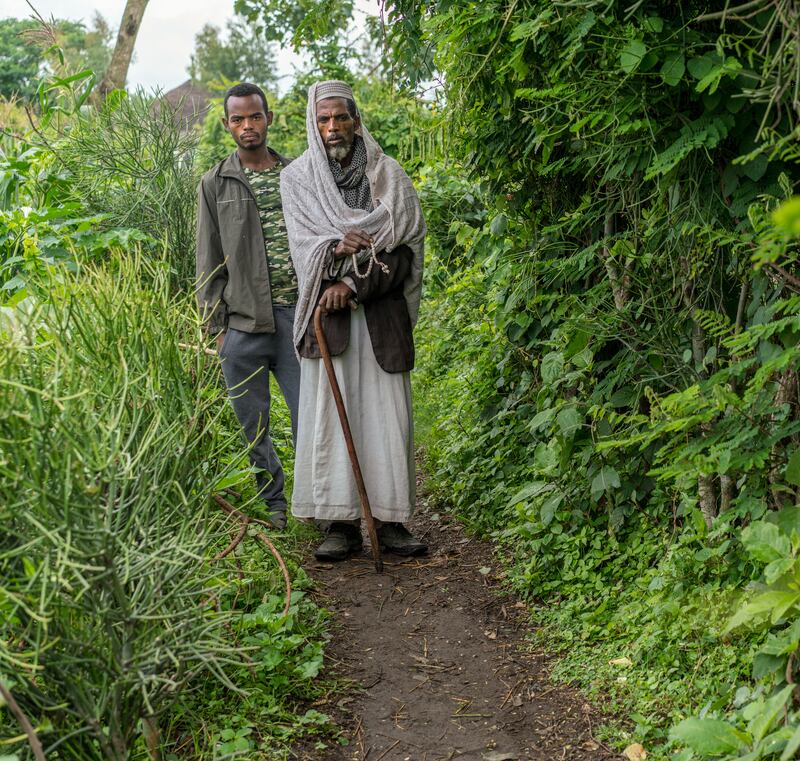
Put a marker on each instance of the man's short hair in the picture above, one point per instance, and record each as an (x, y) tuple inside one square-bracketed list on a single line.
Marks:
[(242, 90)]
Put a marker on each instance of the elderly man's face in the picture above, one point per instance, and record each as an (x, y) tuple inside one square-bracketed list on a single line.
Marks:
[(337, 127)]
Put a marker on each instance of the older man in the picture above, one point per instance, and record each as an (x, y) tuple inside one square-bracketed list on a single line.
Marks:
[(356, 235)]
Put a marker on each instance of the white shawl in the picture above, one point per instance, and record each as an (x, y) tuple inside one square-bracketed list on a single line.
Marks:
[(316, 215)]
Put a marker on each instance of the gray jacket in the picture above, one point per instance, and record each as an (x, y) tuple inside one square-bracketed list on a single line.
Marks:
[(233, 286)]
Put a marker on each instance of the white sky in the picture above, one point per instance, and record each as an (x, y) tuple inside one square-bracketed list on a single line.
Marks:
[(166, 38)]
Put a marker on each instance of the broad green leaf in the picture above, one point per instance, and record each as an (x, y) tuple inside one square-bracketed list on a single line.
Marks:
[(783, 642), (735, 104), (583, 358), (605, 480), (787, 519), (632, 55), (309, 669), (552, 367), (724, 460), (19, 296), (778, 568), (549, 507), (545, 456), (533, 489), (540, 418), (792, 746), (765, 542), (499, 225), (232, 479), (114, 99), (765, 665), (29, 566), (673, 69), (569, 420), (775, 741), (622, 397), (653, 24), (787, 601), (756, 168), (793, 468), (787, 217), (577, 342), (773, 707), (773, 602), (701, 66), (707, 736)]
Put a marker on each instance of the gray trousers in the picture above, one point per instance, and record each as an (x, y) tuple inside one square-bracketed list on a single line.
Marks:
[(247, 360)]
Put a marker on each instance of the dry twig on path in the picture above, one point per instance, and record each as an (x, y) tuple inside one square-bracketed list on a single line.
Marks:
[(261, 536), (386, 752)]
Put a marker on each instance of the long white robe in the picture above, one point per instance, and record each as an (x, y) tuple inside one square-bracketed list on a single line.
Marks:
[(378, 408), (378, 403)]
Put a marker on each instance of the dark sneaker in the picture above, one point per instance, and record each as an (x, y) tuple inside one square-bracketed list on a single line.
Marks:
[(341, 541), (277, 519), (395, 537)]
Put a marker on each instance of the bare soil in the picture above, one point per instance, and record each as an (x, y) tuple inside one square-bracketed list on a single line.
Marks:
[(440, 662)]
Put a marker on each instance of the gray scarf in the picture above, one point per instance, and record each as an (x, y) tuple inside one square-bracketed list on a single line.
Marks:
[(352, 181)]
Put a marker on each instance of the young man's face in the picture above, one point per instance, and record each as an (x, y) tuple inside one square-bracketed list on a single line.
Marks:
[(336, 127), (247, 122)]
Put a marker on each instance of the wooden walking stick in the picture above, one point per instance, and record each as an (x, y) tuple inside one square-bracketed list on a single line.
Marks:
[(348, 437)]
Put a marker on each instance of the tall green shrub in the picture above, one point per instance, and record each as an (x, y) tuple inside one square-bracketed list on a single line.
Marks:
[(109, 450), (631, 397), (132, 160)]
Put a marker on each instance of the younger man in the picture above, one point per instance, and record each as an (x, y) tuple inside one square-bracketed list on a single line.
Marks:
[(246, 284)]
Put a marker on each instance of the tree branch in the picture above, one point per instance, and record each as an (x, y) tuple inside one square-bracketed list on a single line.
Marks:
[(791, 279), (24, 722), (729, 12)]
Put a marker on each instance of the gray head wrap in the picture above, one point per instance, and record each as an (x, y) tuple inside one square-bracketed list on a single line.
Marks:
[(333, 88)]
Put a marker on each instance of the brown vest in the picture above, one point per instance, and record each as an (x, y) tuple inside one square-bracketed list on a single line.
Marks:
[(386, 313)]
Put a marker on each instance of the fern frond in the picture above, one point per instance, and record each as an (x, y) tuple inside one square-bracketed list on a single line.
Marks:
[(707, 132)]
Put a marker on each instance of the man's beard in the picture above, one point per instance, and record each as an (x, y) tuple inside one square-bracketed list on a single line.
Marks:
[(253, 146), (339, 152)]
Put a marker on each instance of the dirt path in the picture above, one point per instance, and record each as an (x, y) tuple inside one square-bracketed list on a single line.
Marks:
[(443, 662)]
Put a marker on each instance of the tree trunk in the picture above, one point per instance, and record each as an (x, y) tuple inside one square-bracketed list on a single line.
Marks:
[(786, 393), (706, 490), (618, 278), (727, 485), (727, 493), (708, 499), (117, 71)]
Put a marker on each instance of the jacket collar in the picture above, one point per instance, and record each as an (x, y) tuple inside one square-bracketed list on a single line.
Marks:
[(232, 166)]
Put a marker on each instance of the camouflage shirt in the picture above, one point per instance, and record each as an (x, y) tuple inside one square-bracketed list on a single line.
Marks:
[(282, 278)]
